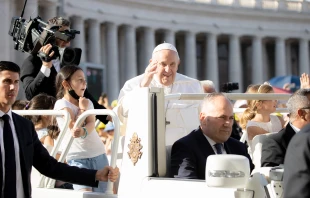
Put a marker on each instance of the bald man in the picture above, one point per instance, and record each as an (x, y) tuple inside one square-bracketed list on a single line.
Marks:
[(212, 137), (162, 72)]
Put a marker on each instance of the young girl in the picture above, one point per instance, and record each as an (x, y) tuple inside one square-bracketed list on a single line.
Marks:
[(87, 149), (256, 119), (41, 122)]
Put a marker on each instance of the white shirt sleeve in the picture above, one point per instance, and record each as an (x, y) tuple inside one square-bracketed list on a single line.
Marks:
[(46, 71)]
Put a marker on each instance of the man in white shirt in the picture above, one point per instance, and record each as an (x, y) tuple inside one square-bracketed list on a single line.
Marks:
[(182, 116), (21, 149), (275, 145)]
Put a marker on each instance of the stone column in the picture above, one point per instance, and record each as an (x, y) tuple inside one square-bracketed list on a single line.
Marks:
[(47, 10), (7, 44), (112, 60), (103, 45), (305, 6), (304, 56), (169, 37), (213, 2), (266, 61), (288, 57), (280, 57), (258, 4), (257, 61), (94, 51), (282, 5), (79, 41), (130, 52), (30, 10), (235, 67), (190, 66), (148, 45), (212, 71), (235, 3)]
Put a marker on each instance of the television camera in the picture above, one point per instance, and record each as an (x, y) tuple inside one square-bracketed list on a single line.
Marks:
[(30, 35), (230, 86)]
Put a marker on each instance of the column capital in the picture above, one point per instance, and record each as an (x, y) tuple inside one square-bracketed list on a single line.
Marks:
[(76, 18), (47, 3), (212, 34), (149, 28), (235, 35), (92, 21), (258, 36), (169, 36), (130, 26), (281, 38)]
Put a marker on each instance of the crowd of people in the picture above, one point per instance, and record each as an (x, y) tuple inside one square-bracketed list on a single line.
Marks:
[(49, 85)]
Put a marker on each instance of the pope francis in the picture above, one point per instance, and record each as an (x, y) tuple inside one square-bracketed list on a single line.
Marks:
[(162, 72)]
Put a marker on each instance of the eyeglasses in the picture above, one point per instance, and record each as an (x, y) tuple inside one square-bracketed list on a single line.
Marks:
[(305, 108)]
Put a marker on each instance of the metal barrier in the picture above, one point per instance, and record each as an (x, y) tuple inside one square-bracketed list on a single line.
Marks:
[(79, 122), (62, 133)]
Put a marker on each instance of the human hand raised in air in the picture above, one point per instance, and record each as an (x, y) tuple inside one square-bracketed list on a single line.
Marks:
[(149, 73), (304, 81), (46, 50)]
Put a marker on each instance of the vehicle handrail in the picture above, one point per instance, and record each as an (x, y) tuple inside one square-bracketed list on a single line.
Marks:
[(232, 96), (97, 123), (61, 135), (278, 110), (79, 122)]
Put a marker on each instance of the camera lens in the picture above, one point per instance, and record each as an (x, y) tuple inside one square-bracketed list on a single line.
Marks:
[(69, 55)]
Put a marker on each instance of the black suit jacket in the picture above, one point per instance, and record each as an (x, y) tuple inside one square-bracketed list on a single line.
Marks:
[(35, 82), (32, 153), (297, 165), (189, 154), (274, 147)]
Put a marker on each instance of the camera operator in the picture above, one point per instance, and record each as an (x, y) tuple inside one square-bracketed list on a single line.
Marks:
[(38, 76)]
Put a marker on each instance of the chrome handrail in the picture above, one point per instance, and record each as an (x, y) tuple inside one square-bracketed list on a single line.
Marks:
[(115, 143), (62, 133)]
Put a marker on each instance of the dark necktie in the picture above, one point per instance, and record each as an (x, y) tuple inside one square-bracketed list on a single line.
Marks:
[(9, 189), (218, 148)]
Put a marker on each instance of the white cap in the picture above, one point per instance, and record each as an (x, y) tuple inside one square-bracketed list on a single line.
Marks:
[(164, 46)]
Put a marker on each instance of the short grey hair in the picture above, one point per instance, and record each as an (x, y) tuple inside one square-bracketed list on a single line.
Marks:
[(297, 101), (209, 98)]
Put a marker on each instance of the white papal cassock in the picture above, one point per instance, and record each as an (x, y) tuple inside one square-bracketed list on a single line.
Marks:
[(183, 115)]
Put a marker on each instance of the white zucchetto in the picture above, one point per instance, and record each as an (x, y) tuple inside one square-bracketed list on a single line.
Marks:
[(164, 46)]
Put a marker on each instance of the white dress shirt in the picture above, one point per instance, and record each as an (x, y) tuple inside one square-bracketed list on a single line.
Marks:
[(294, 128), (47, 71), (19, 182)]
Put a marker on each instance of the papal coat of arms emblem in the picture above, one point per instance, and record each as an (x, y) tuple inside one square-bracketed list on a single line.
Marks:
[(134, 149)]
